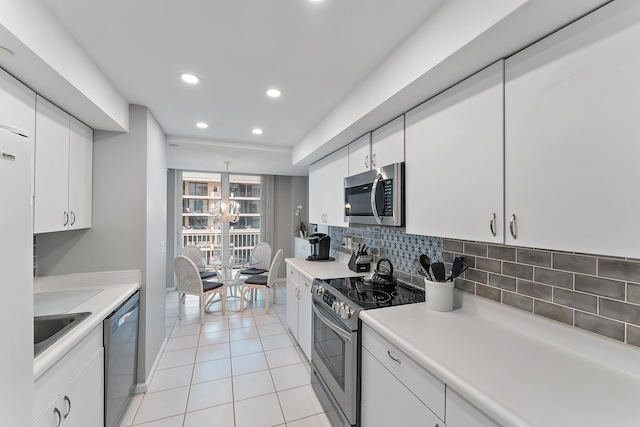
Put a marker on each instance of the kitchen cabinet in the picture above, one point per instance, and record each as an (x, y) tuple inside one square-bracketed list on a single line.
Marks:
[(454, 167), (71, 393), (571, 137), (63, 170), (395, 389), (326, 189), (299, 308), (360, 155), (301, 247), (381, 147), (461, 413)]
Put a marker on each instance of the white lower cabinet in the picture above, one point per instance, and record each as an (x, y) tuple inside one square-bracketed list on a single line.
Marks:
[(461, 413), (395, 389), (299, 308), (71, 393)]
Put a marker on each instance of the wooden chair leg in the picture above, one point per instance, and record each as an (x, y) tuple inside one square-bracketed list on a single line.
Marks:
[(265, 291)]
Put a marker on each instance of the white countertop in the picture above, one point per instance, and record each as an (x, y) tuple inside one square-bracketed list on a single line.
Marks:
[(323, 269), (97, 293), (520, 369)]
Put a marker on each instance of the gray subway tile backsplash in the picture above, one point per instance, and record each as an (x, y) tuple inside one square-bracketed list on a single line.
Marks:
[(553, 311), (535, 290), (517, 270), (600, 286), (577, 300), (596, 294), (532, 257), (575, 263), (600, 325), (616, 269), (633, 293)]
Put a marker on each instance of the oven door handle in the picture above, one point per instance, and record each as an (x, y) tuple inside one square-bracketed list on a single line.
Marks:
[(343, 334), (374, 204)]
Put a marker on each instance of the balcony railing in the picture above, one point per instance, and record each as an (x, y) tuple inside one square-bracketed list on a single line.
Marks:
[(241, 241)]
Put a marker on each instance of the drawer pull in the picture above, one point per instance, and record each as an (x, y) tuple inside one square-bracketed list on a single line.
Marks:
[(395, 359), (68, 402), (58, 415)]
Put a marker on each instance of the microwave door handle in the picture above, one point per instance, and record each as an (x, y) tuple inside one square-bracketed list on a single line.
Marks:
[(374, 205), (344, 335)]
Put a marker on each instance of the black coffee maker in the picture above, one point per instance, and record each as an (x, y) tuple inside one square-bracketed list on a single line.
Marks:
[(320, 245)]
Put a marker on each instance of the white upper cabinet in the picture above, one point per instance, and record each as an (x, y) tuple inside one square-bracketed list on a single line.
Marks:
[(360, 155), (17, 106), (63, 170), (80, 174), (387, 144), (326, 189), (454, 167), (382, 147), (572, 137)]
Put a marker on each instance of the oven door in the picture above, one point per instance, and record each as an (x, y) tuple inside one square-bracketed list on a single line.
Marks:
[(334, 355)]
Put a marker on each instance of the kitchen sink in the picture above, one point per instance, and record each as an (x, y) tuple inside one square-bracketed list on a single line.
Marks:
[(49, 329)]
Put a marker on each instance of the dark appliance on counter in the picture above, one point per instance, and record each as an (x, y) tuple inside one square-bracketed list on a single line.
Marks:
[(336, 304), (320, 246), (383, 278), (120, 359), (376, 196)]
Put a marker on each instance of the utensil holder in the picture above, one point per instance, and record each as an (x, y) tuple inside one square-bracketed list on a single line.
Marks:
[(438, 295)]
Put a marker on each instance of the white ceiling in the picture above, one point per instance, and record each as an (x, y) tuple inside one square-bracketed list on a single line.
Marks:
[(314, 52)]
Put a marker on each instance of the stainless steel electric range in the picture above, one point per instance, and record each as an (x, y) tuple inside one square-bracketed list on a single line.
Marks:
[(335, 352)]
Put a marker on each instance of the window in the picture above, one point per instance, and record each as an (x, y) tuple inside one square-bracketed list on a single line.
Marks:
[(200, 192)]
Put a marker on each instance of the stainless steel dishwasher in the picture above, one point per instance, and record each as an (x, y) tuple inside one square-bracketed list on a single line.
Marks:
[(120, 359)]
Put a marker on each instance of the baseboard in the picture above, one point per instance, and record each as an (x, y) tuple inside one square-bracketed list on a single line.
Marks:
[(144, 387)]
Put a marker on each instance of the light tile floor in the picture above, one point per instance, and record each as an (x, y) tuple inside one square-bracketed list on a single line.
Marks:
[(236, 370)]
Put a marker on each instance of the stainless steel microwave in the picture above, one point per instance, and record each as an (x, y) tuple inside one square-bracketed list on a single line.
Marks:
[(375, 196)]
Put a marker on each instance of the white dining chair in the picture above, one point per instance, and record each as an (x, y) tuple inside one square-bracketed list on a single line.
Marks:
[(263, 283)]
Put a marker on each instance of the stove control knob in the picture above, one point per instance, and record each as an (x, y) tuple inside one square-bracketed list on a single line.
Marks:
[(335, 306), (346, 313)]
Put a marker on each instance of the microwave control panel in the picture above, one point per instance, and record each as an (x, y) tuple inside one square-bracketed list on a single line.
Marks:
[(387, 198)]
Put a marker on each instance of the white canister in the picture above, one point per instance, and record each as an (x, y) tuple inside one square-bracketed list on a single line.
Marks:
[(439, 295)]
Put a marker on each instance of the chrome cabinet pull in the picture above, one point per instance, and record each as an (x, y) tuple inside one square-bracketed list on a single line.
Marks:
[(395, 359), (366, 162), (73, 218), (492, 225), (373, 161), (68, 401), (59, 415), (66, 218), (512, 226)]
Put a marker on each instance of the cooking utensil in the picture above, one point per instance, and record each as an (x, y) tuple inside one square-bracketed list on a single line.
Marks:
[(438, 271), (456, 268), (425, 262)]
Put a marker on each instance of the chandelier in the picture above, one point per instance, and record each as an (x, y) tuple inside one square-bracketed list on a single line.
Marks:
[(226, 210)]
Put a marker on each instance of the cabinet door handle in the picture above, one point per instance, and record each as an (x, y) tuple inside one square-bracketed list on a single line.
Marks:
[(59, 415), (66, 218), (512, 226), (68, 402), (373, 161), (73, 218), (395, 359), (492, 225), (366, 162)]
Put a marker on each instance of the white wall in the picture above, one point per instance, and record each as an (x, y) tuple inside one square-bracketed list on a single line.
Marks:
[(129, 223)]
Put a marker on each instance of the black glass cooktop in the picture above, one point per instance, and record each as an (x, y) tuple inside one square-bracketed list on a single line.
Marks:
[(367, 296)]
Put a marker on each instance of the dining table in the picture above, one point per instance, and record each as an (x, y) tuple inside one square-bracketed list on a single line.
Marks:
[(225, 267)]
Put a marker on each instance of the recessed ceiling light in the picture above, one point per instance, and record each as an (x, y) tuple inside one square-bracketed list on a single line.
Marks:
[(257, 131), (4, 52), (190, 78), (202, 125), (274, 93)]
